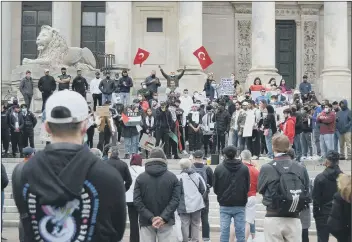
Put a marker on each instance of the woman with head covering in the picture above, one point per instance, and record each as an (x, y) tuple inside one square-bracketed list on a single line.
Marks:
[(270, 129), (136, 169)]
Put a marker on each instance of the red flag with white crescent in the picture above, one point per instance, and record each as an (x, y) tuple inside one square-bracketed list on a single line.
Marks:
[(203, 57), (140, 57)]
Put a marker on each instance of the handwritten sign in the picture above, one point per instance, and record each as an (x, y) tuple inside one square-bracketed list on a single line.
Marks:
[(147, 142), (134, 119), (226, 87)]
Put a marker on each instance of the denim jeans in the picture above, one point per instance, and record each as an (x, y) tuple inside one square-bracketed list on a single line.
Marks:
[(125, 98), (238, 214), (316, 137), (336, 141), (106, 97), (235, 138), (252, 228), (326, 143), (269, 144), (306, 139), (131, 144), (298, 147)]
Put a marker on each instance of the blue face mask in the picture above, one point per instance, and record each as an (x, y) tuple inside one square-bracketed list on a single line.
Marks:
[(24, 110)]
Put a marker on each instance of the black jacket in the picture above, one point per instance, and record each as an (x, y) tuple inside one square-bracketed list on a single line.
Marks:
[(80, 190), (12, 121), (231, 183), (107, 86), (306, 128), (269, 178), (4, 121), (339, 221), (222, 122), (47, 84), (299, 122), (4, 178), (122, 167), (164, 120), (30, 121), (80, 84), (152, 86), (325, 186), (129, 84), (156, 193)]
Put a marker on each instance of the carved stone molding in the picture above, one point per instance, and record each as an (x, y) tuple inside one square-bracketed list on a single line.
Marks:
[(287, 12), (243, 9), (310, 49), (309, 11), (298, 23), (244, 61)]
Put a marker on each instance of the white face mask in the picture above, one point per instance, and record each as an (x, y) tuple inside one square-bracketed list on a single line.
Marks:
[(213, 85), (326, 110), (265, 115), (144, 86)]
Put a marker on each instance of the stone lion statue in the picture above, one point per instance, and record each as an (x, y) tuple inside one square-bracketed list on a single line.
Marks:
[(54, 52)]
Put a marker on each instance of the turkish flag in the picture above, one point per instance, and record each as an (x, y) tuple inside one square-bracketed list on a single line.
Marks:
[(141, 56), (125, 118), (203, 57)]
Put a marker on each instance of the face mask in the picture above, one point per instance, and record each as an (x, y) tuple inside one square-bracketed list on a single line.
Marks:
[(265, 115), (155, 97), (124, 74), (63, 73), (326, 110), (343, 108), (213, 85), (153, 76), (140, 98), (107, 77), (24, 110), (144, 86), (163, 109), (247, 96)]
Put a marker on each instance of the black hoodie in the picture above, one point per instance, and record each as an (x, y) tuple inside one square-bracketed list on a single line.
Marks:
[(70, 195), (325, 186), (156, 193), (231, 183)]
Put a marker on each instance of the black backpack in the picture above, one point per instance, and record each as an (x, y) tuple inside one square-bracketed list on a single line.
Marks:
[(291, 196)]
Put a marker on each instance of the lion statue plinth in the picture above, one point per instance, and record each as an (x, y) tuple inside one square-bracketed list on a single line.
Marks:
[(54, 52)]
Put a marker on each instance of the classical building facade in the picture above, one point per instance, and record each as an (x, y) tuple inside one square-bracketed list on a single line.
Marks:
[(288, 39)]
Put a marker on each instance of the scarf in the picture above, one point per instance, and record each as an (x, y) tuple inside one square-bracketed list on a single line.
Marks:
[(149, 120), (195, 116)]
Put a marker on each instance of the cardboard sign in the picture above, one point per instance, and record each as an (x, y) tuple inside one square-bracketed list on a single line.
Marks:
[(147, 142), (226, 87), (248, 126), (103, 111), (134, 119)]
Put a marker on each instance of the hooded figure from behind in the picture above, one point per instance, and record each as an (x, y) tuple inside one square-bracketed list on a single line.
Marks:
[(344, 126)]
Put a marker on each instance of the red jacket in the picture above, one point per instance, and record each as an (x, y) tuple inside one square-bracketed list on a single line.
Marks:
[(253, 177), (327, 122), (289, 128)]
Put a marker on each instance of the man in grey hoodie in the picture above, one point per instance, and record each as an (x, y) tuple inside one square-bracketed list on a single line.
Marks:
[(344, 126), (26, 88)]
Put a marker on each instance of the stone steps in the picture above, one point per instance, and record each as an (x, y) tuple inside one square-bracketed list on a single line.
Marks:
[(10, 215)]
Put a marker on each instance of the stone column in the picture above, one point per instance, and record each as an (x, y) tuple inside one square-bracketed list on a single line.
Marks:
[(62, 19), (190, 27), (263, 42), (6, 45), (118, 32), (336, 77)]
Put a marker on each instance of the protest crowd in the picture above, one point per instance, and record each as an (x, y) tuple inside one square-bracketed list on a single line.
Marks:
[(66, 193)]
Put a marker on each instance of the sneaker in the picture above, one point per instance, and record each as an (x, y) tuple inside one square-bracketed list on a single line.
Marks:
[(184, 152), (304, 158), (186, 143), (254, 157), (119, 143)]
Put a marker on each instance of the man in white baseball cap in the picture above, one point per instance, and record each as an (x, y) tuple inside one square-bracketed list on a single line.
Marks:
[(68, 182)]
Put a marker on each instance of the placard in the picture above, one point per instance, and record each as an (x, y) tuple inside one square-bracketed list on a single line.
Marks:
[(255, 94), (248, 125), (134, 119), (103, 111), (226, 87), (147, 142)]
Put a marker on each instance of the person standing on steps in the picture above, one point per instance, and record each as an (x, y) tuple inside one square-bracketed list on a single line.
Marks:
[(30, 121), (64, 80), (125, 85), (106, 87), (96, 93), (80, 84), (47, 86), (207, 174), (153, 83), (65, 208), (173, 76), (26, 88)]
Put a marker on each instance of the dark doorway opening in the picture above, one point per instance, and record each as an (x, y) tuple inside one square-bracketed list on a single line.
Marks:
[(286, 50)]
